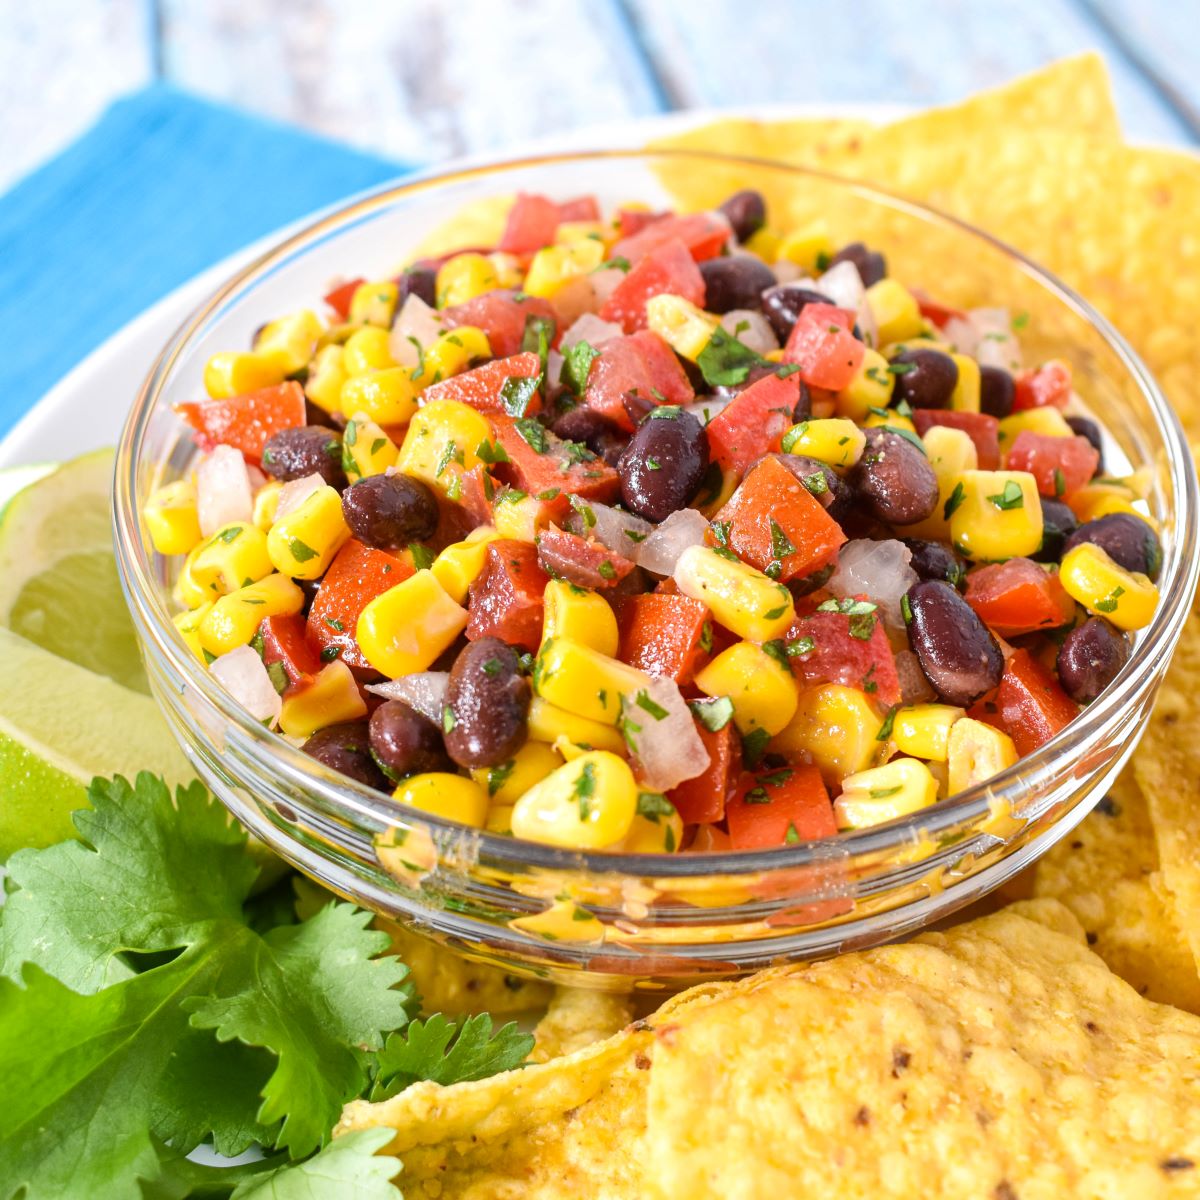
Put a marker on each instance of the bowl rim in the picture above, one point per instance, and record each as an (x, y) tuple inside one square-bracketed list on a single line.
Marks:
[(1155, 644)]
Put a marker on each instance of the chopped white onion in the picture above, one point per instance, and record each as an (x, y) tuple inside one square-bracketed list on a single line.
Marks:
[(223, 492), (554, 365), (961, 333), (591, 329), (294, 493), (756, 330), (997, 345), (865, 320), (878, 570), (661, 550), (574, 298), (914, 686), (843, 285), (242, 674), (605, 282), (610, 526), (414, 320), (425, 692), (787, 271), (705, 408), (662, 736)]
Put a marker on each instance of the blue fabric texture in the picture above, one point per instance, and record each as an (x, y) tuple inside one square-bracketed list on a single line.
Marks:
[(162, 186)]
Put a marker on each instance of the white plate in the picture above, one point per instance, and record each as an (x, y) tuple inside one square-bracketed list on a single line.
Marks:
[(87, 407)]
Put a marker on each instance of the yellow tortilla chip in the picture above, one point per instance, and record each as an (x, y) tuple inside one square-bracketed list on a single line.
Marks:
[(576, 1018), (476, 224)]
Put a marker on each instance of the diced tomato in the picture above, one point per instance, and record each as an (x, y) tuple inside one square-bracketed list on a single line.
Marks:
[(642, 363), (285, 641), (664, 634), (1018, 596), (579, 208), (582, 561), (822, 343), (668, 268), (773, 518), (939, 314), (780, 808), (983, 430), (1061, 465), (478, 492), (339, 299), (842, 654), (356, 576), (704, 234), (704, 798), (1040, 387), (634, 220), (532, 222), (501, 315), (753, 421), (506, 597), (1030, 705), (246, 422), (481, 386), (561, 468)]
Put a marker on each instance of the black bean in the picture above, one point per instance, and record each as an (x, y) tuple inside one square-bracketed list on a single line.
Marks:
[(936, 560), (803, 407), (487, 705), (956, 650), (1089, 659), (746, 212), (347, 748), (735, 281), (664, 464), (819, 480), (1085, 427), (895, 479), (925, 378), (996, 391), (418, 281), (872, 266), (306, 450), (1058, 523), (600, 435), (403, 742), (783, 304), (389, 511), (1126, 539), (637, 407)]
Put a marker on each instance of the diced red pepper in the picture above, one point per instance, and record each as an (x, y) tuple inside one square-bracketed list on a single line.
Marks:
[(506, 597), (703, 798), (246, 422), (561, 468), (481, 386), (780, 808), (339, 299), (356, 576), (983, 430), (842, 654), (664, 634), (772, 519), (285, 641), (1018, 596), (939, 314), (704, 234), (582, 561), (822, 344), (532, 222), (1061, 465), (1030, 705), (642, 363), (667, 269), (579, 208), (1046, 386), (501, 315), (753, 421)]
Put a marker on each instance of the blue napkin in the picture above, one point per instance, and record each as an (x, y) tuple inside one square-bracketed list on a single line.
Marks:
[(162, 186)]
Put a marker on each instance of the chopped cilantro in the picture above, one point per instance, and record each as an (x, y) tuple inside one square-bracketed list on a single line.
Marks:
[(953, 501), (422, 556), (301, 552), (655, 709), (533, 434), (1011, 497), (652, 806), (517, 392), (713, 714), (491, 453), (577, 362), (585, 789), (889, 721), (725, 361), (781, 545), (1109, 603)]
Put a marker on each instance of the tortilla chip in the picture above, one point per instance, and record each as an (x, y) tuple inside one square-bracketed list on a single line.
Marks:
[(478, 224), (576, 1018)]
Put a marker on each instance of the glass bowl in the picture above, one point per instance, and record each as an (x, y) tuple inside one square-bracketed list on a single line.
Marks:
[(654, 921)]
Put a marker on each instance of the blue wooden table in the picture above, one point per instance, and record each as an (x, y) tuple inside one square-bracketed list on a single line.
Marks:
[(422, 80)]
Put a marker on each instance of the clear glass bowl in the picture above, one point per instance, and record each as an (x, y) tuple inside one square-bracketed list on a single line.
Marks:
[(660, 921)]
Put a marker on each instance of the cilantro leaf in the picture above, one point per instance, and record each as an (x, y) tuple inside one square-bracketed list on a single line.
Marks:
[(726, 361), (348, 1167), (577, 363)]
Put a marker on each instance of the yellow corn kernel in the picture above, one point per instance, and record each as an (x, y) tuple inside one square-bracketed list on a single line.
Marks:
[(996, 515), (1106, 589), (569, 232), (584, 681), (237, 554), (563, 921), (451, 797), (896, 312), (460, 563), (188, 624), (325, 378), (890, 420), (809, 247), (170, 513), (583, 805), (1047, 421), (684, 327), (832, 440), (303, 543), (923, 730), (657, 827), (584, 617), (366, 350), (884, 793), (292, 337), (509, 781), (499, 819), (835, 726), (870, 388), (234, 373), (965, 397), (765, 243), (743, 599), (331, 698), (508, 269), (387, 396), (464, 277), (713, 497), (405, 628), (554, 266), (441, 445), (1096, 500), (374, 303), (549, 723), (763, 691), (975, 753), (188, 591), (950, 453), (366, 449), (234, 619), (266, 502), (452, 352)]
